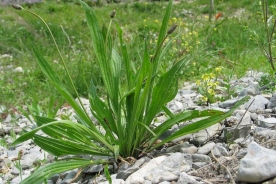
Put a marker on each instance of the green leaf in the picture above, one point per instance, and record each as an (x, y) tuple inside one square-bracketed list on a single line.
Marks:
[(108, 61), (49, 72), (181, 117), (202, 124), (71, 127), (58, 167), (107, 174), (63, 147), (165, 90)]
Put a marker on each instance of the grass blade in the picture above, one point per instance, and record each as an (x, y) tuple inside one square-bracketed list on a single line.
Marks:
[(58, 167)]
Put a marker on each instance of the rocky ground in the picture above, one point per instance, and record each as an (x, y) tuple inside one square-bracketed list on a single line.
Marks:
[(240, 149)]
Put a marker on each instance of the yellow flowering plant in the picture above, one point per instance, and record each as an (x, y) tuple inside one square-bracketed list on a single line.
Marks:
[(207, 85)]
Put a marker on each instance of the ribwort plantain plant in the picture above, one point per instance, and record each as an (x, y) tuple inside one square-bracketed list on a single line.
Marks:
[(126, 114)]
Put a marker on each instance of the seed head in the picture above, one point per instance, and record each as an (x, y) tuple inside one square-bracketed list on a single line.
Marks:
[(17, 7), (112, 14), (172, 28)]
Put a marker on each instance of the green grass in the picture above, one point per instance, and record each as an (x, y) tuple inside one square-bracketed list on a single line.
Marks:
[(224, 42)]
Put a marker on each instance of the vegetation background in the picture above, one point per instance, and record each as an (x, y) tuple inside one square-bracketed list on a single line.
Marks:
[(224, 39)]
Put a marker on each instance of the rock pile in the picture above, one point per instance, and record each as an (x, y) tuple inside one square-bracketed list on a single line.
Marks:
[(239, 150)]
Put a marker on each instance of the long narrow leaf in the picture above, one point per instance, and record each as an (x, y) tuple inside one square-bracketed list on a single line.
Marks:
[(69, 124), (49, 72), (58, 167), (67, 147), (202, 124)]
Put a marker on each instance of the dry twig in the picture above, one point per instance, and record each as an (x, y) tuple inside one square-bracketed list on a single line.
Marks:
[(226, 168)]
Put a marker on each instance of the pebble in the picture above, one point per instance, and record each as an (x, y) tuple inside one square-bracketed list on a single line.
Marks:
[(191, 152), (205, 149), (257, 165)]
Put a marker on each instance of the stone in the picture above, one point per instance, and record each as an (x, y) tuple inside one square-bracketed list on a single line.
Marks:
[(220, 150), (169, 169), (93, 169), (206, 148), (183, 148), (124, 166), (267, 122), (252, 89), (114, 180), (201, 158), (126, 173), (258, 105), (257, 165), (189, 150), (138, 176), (272, 102), (244, 117), (202, 136), (184, 178), (228, 103), (17, 179), (272, 181), (69, 176), (19, 70), (232, 133)]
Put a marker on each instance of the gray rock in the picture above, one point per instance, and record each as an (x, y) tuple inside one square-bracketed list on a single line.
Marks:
[(197, 165), (258, 164), (258, 105), (244, 117), (184, 178), (165, 182), (70, 175), (265, 133), (232, 133), (138, 176), (189, 150), (169, 169), (125, 174), (28, 159), (202, 136), (272, 102), (228, 103), (206, 148), (272, 181), (124, 166), (114, 180), (50, 182), (17, 179), (267, 122), (220, 150), (254, 116), (252, 89), (93, 169), (201, 158), (15, 171), (183, 148)]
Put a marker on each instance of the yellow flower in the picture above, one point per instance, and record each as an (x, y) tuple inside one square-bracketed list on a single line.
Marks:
[(218, 69), (174, 19), (212, 75), (205, 77), (198, 82), (204, 98), (211, 91), (210, 84)]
